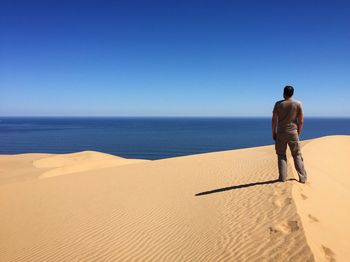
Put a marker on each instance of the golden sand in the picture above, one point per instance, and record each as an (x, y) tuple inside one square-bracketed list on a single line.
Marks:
[(221, 206)]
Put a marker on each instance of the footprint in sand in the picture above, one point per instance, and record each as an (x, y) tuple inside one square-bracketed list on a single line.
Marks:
[(285, 228), (304, 197), (278, 202), (329, 254), (293, 226), (280, 190), (313, 219), (288, 201), (280, 196)]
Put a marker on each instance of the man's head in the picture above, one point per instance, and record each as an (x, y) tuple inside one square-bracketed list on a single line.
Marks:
[(288, 92)]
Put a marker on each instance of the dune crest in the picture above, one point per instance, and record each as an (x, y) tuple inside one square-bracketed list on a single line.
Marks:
[(63, 164)]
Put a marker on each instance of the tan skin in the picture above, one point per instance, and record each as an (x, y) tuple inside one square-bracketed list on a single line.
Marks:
[(274, 122)]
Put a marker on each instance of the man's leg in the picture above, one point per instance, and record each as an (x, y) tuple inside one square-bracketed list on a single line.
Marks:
[(299, 166), (298, 159), (282, 167), (281, 147)]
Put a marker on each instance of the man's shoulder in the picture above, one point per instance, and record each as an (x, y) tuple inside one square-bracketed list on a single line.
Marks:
[(279, 102), (293, 101), (275, 108), (297, 102)]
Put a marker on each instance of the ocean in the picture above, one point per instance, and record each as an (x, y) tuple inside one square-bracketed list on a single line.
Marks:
[(148, 137)]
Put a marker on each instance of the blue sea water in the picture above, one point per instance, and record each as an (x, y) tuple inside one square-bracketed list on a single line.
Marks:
[(147, 137)]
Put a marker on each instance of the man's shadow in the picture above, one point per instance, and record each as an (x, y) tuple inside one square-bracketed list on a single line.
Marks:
[(241, 186)]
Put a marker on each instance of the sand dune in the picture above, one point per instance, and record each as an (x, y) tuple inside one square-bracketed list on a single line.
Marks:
[(32, 166), (19, 167), (64, 164), (222, 206)]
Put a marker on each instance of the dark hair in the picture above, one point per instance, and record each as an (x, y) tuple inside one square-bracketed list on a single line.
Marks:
[(288, 91)]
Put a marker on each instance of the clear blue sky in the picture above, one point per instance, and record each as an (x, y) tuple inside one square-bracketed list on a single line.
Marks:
[(173, 58)]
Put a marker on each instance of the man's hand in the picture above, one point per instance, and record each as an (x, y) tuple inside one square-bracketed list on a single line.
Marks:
[(300, 122), (274, 123), (274, 136)]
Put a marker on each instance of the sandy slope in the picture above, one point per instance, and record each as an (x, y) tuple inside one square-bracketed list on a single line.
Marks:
[(222, 206), (324, 203)]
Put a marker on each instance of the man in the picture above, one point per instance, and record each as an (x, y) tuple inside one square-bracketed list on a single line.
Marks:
[(288, 117)]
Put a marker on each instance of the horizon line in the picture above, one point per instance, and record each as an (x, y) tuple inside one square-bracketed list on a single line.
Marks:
[(158, 116)]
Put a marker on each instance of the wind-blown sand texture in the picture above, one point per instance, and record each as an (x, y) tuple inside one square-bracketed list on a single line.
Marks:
[(221, 206)]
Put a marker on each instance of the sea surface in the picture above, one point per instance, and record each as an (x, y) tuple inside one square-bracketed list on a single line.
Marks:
[(147, 137)]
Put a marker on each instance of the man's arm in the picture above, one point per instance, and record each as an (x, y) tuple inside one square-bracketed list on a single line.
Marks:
[(274, 124), (300, 122)]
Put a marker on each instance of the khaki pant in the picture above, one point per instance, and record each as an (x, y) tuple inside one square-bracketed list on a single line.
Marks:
[(292, 139)]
